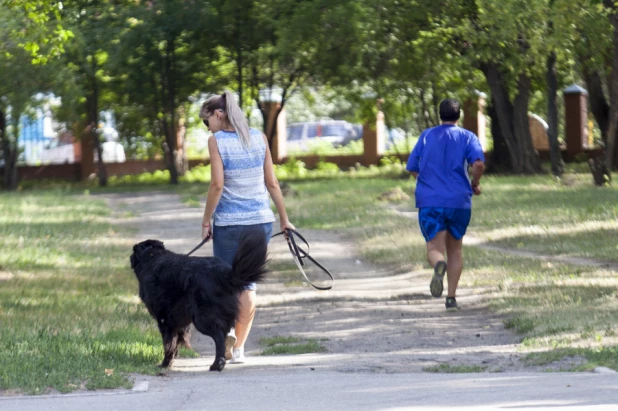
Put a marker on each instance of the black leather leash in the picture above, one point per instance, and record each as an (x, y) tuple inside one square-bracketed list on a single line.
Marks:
[(204, 241), (298, 254)]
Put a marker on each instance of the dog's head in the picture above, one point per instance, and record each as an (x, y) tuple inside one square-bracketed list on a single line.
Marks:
[(144, 251)]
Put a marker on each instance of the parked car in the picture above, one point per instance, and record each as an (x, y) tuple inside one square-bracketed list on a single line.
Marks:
[(336, 132), (113, 152), (56, 153)]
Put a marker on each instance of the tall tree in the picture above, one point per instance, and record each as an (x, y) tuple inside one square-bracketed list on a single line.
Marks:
[(166, 53), (94, 23), (612, 128), (22, 78), (300, 42)]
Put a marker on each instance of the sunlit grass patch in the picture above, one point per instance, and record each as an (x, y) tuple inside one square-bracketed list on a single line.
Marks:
[(280, 345), (69, 315), (593, 357)]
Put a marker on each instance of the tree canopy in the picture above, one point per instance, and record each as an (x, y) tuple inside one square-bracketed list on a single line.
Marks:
[(149, 61)]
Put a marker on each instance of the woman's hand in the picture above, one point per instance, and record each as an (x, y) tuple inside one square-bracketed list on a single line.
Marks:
[(287, 225), (206, 230)]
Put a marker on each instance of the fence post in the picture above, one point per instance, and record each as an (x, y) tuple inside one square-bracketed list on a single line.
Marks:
[(270, 101), (374, 140), (86, 162), (474, 117), (576, 120)]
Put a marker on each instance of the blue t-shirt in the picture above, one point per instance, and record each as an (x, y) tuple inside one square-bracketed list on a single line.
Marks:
[(441, 158)]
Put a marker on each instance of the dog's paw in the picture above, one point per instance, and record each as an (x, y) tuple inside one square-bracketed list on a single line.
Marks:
[(218, 365)]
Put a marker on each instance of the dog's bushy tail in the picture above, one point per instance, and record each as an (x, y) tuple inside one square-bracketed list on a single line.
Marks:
[(249, 264)]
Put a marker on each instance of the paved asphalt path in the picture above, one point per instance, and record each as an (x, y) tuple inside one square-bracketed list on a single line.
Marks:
[(241, 388)]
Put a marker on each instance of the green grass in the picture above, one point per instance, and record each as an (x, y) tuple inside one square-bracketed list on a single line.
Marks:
[(446, 368), (69, 314), (543, 215), (70, 318), (602, 356), (279, 345)]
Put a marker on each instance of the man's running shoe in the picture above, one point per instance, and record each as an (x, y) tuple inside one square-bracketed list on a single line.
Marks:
[(451, 304), (435, 286)]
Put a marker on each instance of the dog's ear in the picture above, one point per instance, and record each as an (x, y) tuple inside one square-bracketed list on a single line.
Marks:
[(155, 244), (134, 259), (144, 246), (140, 249)]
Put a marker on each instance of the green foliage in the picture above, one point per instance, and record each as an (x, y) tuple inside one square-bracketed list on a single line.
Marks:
[(40, 33), (291, 169), (151, 61), (155, 178), (197, 174)]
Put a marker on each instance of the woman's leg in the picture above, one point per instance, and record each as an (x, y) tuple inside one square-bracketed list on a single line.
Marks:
[(248, 297), (245, 317), (224, 246)]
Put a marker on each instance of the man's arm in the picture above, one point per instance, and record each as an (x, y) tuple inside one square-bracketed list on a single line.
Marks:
[(478, 167), (414, 158)]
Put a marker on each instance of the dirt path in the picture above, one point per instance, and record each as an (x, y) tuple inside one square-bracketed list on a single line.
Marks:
[(371, 321)]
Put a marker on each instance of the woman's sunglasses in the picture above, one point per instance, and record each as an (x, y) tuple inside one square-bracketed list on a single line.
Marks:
[(205, 120)]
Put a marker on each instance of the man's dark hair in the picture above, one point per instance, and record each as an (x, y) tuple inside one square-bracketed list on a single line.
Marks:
[(449, 110)]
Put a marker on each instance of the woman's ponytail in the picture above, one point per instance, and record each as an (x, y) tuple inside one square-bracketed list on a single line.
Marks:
[(237, 119)]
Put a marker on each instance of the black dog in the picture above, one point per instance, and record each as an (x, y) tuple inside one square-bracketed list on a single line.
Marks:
[(179, 290)]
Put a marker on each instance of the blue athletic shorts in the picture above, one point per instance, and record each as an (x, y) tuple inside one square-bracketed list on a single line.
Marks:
[(225, 241), (432, 220)]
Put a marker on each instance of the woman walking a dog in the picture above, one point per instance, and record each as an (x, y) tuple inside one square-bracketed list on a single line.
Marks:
[(242, 176)]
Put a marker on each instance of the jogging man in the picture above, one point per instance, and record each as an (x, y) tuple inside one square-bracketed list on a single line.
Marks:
[(444, 190)]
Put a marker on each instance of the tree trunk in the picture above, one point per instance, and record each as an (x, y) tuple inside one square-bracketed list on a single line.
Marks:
[(9, 152), (10, 157), (598, 103), (612, 129), (171, 148), (500, 158), (239, 78), (92, 119), (425, 115), (504, 113), (530, 160), (181, 134), (434, 114), (555, 155), (513, 119)]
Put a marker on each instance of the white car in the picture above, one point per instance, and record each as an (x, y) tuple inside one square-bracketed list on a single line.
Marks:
[(336, 132), (113, 152)]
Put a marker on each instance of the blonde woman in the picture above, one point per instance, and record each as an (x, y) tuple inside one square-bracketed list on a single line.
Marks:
[(242, 177)]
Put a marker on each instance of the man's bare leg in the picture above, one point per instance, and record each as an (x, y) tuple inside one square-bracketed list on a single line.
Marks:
[(436, 248), (435, 256), (454, 252)]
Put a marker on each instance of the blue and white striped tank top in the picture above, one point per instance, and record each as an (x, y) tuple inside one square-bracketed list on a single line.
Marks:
[(245, 199)]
